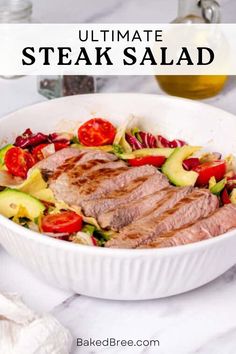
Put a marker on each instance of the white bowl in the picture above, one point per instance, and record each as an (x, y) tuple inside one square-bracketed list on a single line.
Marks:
[(116, 273)]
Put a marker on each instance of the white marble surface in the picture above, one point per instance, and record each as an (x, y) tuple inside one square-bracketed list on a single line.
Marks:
[(199, 322)]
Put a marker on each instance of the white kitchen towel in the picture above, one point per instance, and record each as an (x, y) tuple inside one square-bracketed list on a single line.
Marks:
[(24, 332)]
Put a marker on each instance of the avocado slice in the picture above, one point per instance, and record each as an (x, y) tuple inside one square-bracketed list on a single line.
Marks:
[(174, 170), (3, 152), (33, 185), (153, 152), (146, 152), (11, 201)]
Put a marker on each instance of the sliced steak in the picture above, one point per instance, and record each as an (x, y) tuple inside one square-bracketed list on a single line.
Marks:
[(52, 162), (139, 188), (85, 162), (64, 186), (117, 218), (221, 221), (85, 167), (66, 159), (74, 188), (196, 205), (169, 200), (109, 181)]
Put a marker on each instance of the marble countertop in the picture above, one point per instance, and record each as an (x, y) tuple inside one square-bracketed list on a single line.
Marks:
[(199, 322)]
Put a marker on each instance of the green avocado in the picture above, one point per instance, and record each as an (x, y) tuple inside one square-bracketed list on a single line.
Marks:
[(144, 152), (3, 153), (153, 152), (174, 170), (14, 202)]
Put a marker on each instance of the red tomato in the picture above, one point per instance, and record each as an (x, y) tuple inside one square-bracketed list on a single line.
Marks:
[(65, 222), (96, 132), (37, 152), (207, 170), (148, 160), (61, 144), (19, 161)]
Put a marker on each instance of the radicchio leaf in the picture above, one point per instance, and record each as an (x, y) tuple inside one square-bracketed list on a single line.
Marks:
[(190, 163), (144, 140), (148, 140), (225, 197), (29, 140), (165, 143), (133, 142)]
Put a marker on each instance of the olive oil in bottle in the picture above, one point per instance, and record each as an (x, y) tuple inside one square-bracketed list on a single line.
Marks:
[(194, 86)]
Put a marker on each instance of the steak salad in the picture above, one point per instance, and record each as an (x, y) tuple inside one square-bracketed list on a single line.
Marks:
[(116, 187)]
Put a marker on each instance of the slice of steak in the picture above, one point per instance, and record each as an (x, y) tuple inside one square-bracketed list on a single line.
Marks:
[(93, 185), (59, 158), (84, 163), (170, 199), (223, 220), (66, 159), (196, 205), (106, 182), (64, 185), (52, 162), (117, 218), (139, 188)]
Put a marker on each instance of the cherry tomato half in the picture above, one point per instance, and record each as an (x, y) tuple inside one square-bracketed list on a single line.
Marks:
[(156, 161), (59, 145), (67, 221), (18, 161), (207, 170), (37, 152), (96, 132)]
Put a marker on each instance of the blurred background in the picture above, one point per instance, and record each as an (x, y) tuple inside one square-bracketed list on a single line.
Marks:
[(107, 11), (19, 92)]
